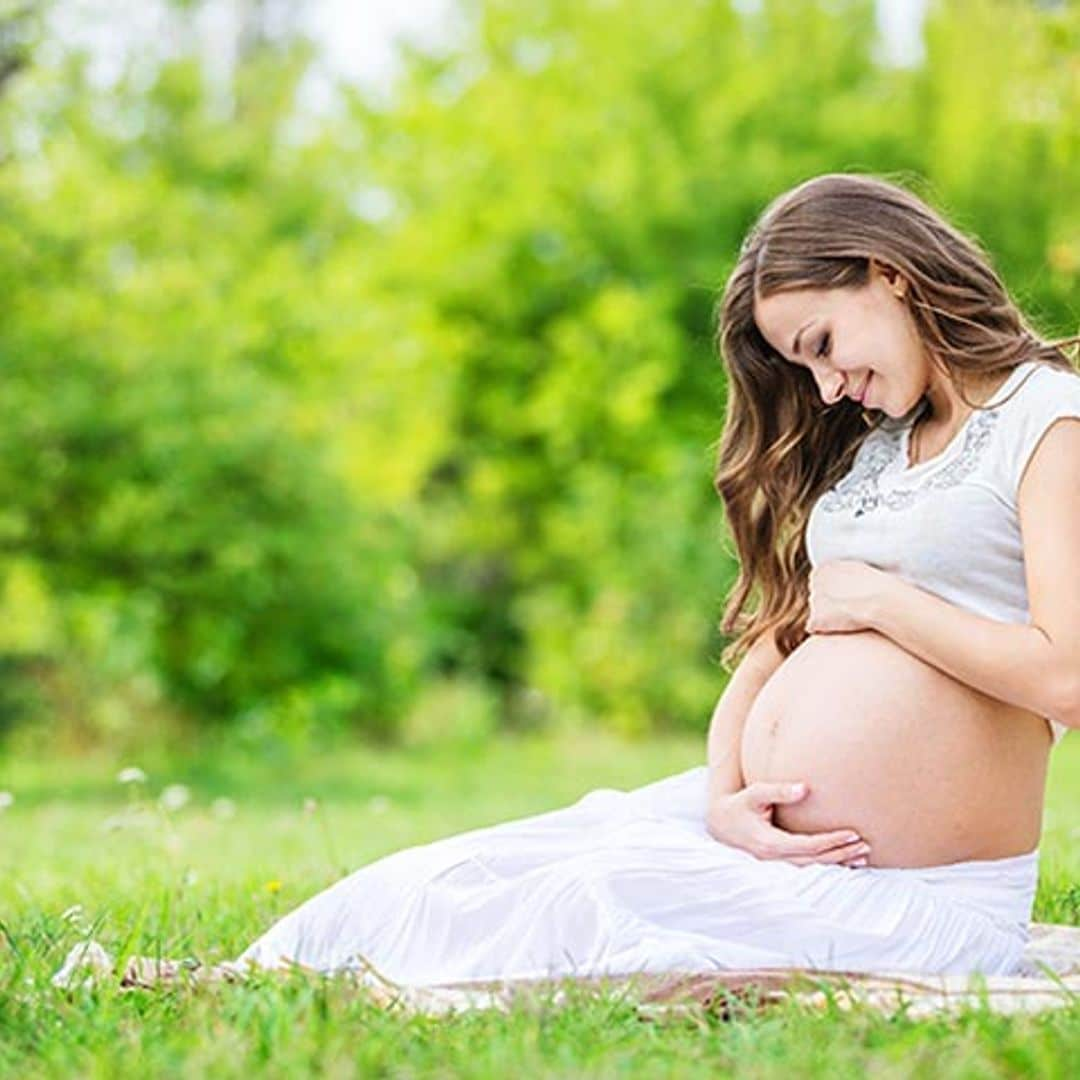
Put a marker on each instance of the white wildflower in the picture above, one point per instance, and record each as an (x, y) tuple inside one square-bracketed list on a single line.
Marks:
[(174, 797), (131, 775), (6, 799), (310, 805), (130, 819)]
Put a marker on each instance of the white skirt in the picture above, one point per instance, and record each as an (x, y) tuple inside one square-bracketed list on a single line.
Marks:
[(630, 881)]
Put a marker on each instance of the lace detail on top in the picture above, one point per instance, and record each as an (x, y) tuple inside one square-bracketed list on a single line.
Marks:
[(859, 490)]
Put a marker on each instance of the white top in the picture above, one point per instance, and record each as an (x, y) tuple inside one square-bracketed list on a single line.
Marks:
[(949, 524)]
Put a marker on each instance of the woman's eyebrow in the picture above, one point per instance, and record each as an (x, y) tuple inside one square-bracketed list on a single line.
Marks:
[(795, 344)]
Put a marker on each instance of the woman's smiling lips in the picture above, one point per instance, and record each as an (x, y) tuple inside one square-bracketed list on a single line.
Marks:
[(861, 397)]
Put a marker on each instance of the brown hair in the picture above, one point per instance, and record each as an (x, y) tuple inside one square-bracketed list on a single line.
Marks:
[(780, 447)]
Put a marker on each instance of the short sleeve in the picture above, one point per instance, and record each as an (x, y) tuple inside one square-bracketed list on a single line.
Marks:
[(1054, 393)]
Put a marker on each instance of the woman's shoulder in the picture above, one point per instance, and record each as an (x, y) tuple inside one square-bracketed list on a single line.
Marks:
[(1046, 376), (1044, 392), (1040, 390)]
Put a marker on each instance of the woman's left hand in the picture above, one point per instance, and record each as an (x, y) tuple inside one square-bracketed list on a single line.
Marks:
[(844, 594)]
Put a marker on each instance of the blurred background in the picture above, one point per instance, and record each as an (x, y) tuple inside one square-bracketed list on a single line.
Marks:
[(356, 374)]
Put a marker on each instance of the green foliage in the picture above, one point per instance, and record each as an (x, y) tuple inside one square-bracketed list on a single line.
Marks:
[(302, 413), (156, 465)]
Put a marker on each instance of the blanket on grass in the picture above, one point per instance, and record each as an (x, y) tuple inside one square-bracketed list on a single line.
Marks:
[(1049, 977)]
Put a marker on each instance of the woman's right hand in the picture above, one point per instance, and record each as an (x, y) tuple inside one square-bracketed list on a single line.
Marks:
[(743, 819)]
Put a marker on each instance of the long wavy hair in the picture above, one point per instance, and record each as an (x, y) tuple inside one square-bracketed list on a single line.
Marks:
[(781, 447)]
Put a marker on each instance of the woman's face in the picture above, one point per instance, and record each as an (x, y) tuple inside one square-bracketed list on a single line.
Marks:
[(860, 343)]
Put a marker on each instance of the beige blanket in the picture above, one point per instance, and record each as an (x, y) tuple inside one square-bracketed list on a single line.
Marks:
[(1049, 978)]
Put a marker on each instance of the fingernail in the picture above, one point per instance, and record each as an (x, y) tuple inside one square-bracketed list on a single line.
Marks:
[(858, 862), (797, 789), (852, 838)]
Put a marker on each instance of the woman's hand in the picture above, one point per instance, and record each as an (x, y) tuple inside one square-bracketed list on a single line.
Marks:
[(743, 819), (844, 594)]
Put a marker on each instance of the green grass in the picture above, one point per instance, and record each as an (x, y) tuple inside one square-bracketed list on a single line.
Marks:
[(205, 879)]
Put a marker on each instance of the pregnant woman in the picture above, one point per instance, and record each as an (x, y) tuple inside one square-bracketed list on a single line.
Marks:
[(899, 468)]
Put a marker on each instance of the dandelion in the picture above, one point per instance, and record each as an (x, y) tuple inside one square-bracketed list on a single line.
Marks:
[(174, 797), (223, 809), (135, 818), (313, 807), (6, 799), (131, 775), (273, 886)]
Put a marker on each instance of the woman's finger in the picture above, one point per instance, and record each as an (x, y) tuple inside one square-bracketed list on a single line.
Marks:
[(811, 844), (848, 854), (763, 793)]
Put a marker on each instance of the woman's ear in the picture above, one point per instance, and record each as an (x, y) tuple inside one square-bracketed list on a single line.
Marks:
[(892, 277)]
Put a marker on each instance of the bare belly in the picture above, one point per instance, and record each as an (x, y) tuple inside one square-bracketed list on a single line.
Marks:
[(927, 769)]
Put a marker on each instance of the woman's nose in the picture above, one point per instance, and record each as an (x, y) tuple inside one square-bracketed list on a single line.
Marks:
[(834, 388)]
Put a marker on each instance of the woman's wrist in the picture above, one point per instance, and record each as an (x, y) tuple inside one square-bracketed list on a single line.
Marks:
[(879, 604)]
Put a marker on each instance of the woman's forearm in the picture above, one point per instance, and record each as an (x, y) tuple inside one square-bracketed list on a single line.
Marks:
[(724, 743)]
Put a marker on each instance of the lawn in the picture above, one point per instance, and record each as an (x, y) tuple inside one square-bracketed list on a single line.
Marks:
[(212, 846)]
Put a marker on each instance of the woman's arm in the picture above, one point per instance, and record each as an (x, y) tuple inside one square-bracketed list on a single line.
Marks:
[(723, 749)]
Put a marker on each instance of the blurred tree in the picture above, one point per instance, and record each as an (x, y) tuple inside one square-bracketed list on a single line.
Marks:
[(325, 419), (16, 26), (154, 455)]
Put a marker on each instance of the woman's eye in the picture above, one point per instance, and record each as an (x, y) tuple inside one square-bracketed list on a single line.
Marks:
[(823, 347)]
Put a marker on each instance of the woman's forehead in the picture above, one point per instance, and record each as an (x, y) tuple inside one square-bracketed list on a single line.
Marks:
[(797, 303), (780, 316)]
